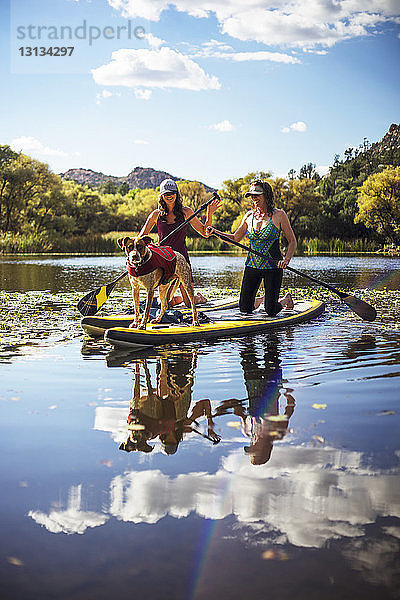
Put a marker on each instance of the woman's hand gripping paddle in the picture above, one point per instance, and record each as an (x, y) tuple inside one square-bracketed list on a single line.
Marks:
[(92, 302), (360, 307)]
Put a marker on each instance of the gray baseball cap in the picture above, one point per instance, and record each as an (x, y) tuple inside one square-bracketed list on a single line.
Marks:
[(256, 188), (168, 186)]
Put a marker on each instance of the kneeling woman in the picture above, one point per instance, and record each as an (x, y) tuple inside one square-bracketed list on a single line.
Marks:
[(263, 225)]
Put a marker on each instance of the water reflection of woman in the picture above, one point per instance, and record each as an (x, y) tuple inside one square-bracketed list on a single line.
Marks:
[(261, 421), (163, 410), (263, 380)]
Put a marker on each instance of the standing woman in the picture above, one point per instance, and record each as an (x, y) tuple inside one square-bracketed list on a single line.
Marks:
[(171, 213), (263, 225)]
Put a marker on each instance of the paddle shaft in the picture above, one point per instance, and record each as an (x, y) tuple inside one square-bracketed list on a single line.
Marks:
[(205, 436), (235, 243)]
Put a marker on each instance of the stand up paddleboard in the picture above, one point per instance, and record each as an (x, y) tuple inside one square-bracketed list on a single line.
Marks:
[(158, 335)]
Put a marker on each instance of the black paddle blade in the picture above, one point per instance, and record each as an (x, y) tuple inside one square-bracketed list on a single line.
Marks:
[(361, 308), (90, 304)]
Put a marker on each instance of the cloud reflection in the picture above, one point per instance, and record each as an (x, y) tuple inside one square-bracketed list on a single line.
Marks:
[(71, 520), (304, 496), (309, 495)]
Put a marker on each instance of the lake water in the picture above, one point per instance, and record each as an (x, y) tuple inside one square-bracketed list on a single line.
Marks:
[(300, 498)]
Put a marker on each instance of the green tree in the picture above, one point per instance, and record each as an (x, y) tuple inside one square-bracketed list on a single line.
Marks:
[(379, 203), (234, 204), (123, 188), (302, 200), (108, 187), (308, 171), (25, 193), (193, 193), (86, 208)]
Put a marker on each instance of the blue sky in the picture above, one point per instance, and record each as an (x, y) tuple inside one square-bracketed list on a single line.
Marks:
[(207, 90)]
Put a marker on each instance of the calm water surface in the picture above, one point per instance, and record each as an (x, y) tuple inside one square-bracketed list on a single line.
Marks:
[(299, 499)]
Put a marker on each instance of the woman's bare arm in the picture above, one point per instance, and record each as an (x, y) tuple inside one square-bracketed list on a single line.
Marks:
[(240, 231), (150, 222)]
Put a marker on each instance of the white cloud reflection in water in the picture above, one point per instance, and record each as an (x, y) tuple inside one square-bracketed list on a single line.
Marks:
[(71, 520), (304, 495)]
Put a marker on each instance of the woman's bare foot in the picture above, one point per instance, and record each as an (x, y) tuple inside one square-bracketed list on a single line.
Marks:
[(177, 300), (199, 298), (258, 301), (287, 301)]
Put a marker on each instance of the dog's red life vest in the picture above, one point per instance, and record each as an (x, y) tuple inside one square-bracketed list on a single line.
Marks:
[(162, 257)]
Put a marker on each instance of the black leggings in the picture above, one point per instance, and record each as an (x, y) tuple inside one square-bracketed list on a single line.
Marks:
[(251, 282)]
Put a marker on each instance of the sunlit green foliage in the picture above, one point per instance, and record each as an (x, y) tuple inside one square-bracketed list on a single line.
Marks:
[(379, 203), (356, 204)]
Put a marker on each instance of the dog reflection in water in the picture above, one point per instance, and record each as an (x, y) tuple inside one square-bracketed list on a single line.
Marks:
[(162, 411)]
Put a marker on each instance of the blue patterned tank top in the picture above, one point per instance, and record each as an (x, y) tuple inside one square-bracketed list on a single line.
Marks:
[(266, 241)]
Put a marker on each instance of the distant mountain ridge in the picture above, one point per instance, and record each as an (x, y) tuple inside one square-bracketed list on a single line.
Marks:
[(140, 177)]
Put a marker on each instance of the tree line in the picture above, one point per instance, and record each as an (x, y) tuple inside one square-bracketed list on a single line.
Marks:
[(358, 198)]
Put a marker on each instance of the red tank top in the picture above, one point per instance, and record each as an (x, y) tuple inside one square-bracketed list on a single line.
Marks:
[(176, 241)]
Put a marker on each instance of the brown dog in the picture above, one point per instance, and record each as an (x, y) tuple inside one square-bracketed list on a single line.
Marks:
[(147, 270)]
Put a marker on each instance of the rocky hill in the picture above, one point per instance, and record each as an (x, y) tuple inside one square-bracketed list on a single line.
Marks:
[(140, 177), (389, 146)]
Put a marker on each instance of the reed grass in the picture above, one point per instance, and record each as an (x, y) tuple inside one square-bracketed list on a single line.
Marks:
[(337, 246), (98, 243)]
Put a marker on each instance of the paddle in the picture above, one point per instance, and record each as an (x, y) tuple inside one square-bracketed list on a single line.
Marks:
[(205, 436), (360, 307), (92, 302)]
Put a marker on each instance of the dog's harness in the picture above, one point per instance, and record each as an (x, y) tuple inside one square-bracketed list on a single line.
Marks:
[(161, 257)]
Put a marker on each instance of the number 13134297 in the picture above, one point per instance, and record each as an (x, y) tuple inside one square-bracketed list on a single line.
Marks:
[(43, 51)]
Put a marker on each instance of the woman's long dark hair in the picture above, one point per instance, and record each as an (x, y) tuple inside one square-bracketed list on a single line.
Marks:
[(268, 195), (177, 210)]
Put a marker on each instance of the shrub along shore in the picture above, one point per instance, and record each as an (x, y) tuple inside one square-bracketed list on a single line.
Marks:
[(106, 243)]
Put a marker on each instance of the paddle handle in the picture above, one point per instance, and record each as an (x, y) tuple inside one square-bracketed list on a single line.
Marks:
[(196, 212), (235, 243), (124, 274)]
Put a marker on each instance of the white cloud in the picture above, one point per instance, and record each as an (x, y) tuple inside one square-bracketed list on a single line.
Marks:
[(299, 126), (140, 142), (278, 22), (222, 126), (216, 52), (153, 41), (271, 56), (140, 8), (31, 145), (142, 94), (102, 95), (163, 68)]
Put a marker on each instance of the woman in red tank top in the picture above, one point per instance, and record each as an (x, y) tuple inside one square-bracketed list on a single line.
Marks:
[(171, 213)]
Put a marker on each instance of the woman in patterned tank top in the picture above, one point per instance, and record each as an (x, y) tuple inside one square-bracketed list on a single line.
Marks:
[(171, 213), (263, 225)]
